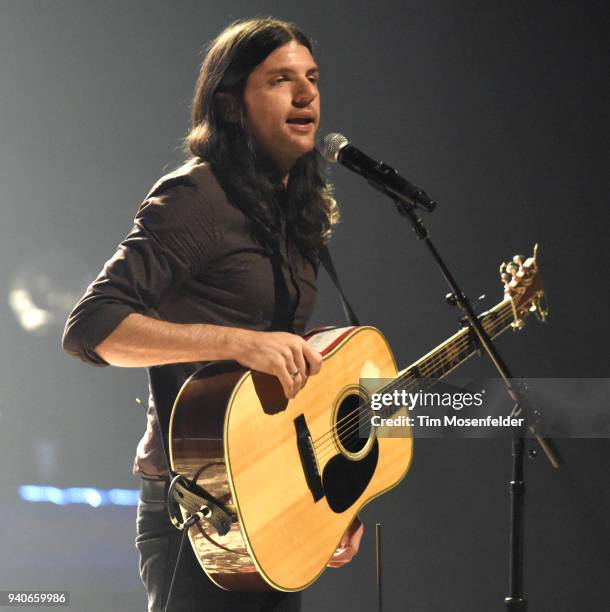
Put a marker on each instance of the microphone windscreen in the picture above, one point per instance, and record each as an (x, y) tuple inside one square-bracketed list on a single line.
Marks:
[(332, 145)]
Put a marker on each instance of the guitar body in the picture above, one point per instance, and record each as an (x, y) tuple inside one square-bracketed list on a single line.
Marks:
[(294, 470)]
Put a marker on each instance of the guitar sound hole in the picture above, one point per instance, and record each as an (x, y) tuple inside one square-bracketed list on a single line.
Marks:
[(353, 429)]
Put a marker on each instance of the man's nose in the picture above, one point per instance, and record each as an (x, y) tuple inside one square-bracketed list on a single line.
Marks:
[(306, 93)]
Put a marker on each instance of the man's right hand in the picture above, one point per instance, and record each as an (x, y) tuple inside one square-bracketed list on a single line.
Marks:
[(141, 341), (280, 354)]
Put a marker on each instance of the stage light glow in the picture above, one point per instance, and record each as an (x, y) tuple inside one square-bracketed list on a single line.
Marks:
[(28, 314), (79, 495), (123, 497), (55, 495), (45, 287), (93, 498)]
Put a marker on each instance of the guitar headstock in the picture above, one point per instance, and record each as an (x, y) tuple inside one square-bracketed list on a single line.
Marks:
[(523, 285)]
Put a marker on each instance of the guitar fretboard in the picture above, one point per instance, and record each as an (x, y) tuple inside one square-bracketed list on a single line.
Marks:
[(453, 352)]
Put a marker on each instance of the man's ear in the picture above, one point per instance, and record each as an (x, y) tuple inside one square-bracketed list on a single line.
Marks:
[(227, 106)]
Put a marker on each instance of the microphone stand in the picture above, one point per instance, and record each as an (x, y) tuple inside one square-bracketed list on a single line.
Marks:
[(515, 601)]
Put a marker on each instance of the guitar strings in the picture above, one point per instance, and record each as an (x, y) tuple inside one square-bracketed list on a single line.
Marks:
[(351, 421), (501, 313), (430, 368), (348, 429), (458, 346), (399, 382), (501, 318), (355, 416)]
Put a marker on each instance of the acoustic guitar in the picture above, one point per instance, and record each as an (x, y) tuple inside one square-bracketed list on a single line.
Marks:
[(294, 473)]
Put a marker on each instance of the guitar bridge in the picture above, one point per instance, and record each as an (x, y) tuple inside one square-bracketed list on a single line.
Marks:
[(309, 461)]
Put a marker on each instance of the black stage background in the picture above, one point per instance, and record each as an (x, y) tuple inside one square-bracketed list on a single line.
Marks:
[(498, 109)]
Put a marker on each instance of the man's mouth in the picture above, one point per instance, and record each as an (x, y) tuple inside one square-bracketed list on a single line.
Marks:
[(300, 120)]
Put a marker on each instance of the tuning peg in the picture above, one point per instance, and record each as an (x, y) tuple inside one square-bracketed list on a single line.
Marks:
[(517, 324), (451, 299), (519, 259), (539, 309)]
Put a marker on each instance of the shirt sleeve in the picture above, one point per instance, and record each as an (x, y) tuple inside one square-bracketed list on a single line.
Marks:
[(172, 239)]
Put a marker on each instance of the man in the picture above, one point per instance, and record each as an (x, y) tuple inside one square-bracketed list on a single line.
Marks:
[(220, 264)]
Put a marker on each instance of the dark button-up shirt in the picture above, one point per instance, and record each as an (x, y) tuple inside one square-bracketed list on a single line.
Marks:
[(190, 258)]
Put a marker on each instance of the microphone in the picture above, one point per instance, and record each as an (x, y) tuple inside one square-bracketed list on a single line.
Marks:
[(337, 148)]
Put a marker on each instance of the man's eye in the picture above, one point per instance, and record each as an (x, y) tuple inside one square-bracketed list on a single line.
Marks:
[(280, 79)]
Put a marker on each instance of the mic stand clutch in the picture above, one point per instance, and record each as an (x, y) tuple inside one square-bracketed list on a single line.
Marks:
[(515, 601)]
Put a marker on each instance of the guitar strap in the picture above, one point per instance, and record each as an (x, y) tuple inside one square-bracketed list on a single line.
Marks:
[(327, 262)]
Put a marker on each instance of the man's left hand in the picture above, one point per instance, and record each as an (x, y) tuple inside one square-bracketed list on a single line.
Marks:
[(348, 547)]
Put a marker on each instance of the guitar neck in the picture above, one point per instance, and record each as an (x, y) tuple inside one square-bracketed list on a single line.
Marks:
[(458, 348)]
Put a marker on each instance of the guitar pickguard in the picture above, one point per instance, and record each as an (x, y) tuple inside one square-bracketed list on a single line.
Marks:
[(345, 480)]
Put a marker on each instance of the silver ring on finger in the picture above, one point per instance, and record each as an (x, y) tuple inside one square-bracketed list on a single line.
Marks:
[(295, 373)]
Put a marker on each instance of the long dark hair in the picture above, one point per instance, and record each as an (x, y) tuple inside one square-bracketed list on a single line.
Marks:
[(309, 209)]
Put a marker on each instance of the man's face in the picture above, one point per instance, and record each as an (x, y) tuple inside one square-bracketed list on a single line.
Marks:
[(282, 104)]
